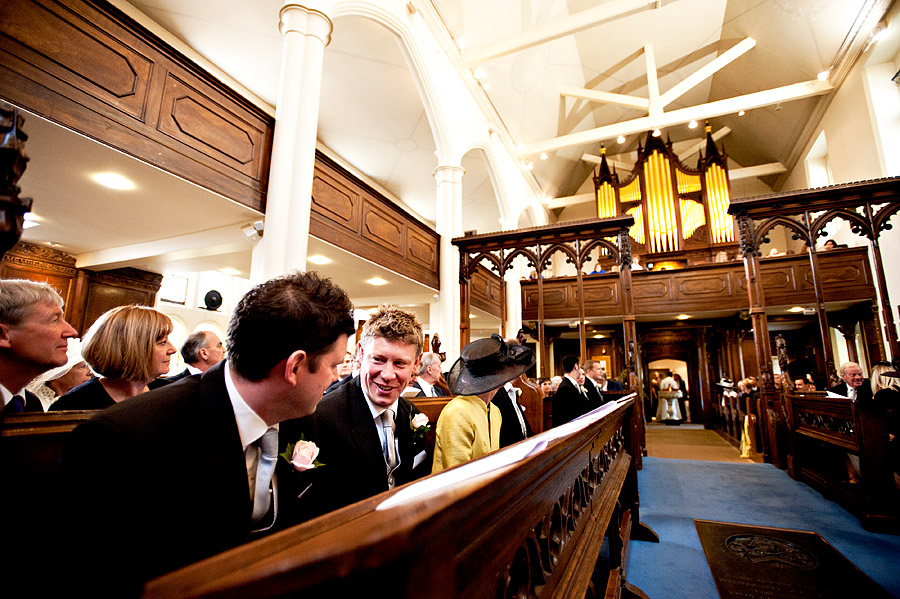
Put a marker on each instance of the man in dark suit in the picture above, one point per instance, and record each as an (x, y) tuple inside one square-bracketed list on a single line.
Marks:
[(344, 373), (569, 401), (185, 471), (855, 385), (429, 375), (34, 338), (592, 384), (514, 426), (364, 429)]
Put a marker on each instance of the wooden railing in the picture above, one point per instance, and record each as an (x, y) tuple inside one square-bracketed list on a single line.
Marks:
[(526, 521), (824, 431)]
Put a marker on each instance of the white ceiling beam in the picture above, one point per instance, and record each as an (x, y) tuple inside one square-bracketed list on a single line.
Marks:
[(607, 97), (700, 112), (656, 108), (682, 149), (580, 21), (206, 243), (707, 71), (581, 198), (760, 170)]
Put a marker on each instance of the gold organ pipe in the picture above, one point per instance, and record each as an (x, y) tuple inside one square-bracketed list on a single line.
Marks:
[(606, 201), (637, 229)]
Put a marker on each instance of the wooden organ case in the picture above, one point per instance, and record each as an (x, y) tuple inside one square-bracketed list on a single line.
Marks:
[(680, 214)]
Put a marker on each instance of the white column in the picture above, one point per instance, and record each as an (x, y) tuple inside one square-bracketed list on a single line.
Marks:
[(449, 225), (306, 32)]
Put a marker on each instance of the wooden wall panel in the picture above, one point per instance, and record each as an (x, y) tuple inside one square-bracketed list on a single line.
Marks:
[(351, 215), (484, 289), (845, 276), (90, 68), (43, 264)]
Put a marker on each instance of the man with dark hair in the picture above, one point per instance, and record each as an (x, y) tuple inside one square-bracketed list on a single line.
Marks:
[(569, 401), (366, 432), (34, 338), (189, 470), (344, 373)]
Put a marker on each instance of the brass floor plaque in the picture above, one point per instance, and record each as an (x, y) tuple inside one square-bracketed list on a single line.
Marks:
[(757, 562)]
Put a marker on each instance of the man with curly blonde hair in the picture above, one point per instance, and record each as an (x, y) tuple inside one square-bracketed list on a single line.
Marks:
[(366, 432)]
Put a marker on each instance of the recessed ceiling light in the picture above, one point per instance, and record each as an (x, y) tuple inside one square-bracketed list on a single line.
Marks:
[(461, 42), (692, 125), (823, 75), (473, 316), (741, 113), (598, 336), (544, 156), (319, 259), (479, 74), (683, 316), (657, 132), (230, 271), (113, 181), (377, 281), (621, 139), (796, 309)]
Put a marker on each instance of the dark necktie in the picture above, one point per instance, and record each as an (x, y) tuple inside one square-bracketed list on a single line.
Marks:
[(16, 405)]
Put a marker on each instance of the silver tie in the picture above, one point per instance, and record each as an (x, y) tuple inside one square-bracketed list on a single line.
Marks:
[(390, 446), (265, 467)]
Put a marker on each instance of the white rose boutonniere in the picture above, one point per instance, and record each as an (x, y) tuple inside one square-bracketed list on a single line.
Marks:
[(302, 455), (419, 425)]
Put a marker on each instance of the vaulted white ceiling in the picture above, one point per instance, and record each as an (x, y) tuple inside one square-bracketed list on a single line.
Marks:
[(531, 53)]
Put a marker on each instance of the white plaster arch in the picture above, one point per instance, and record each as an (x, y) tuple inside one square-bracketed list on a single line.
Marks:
[(387, 18)]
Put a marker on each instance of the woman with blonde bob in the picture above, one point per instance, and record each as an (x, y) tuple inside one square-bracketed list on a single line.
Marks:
[(128, 347)]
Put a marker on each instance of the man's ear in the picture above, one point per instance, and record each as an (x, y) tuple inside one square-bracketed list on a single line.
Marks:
[(203, 353), (5, 341), (295, 366)]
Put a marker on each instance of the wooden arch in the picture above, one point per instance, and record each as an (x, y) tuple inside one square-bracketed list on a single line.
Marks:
[(537, 244)]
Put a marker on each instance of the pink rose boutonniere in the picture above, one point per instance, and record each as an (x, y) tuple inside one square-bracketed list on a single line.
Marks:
[(302, 455), (419, 425)]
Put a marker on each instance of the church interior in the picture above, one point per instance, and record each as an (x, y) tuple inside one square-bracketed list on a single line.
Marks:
[(701, 188)]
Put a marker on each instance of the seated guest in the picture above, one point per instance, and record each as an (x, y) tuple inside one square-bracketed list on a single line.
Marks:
[(366, 432), (192, 469), (607, 384), (469, 425), (598, 270), (429, 375), (514, 426), (344, 373), (546, 386), (589, 386), (855, 385), (49, 386), (201, 351), (33, 339), (886, 387), (554, 383), (128, 347), (569, 401)]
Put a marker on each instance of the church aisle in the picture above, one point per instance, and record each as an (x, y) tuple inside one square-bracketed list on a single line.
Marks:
[(691, 442), (675, 491)]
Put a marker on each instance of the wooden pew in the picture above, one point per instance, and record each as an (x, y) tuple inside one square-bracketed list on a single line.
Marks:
[(531, 527), (823, 430)]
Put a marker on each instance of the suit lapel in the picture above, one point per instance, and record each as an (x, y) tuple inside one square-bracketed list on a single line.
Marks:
[(364, 435)]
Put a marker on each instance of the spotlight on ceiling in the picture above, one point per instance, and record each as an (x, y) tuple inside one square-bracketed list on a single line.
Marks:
[(823, 76), (657, 132), (692, 125), (376, 281), (621, 139), (683, 316), (741, 113), (544, 156), (113, 181), (319, 259)]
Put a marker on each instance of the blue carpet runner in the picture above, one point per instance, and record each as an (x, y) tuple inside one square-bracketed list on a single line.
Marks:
[(675, 492)]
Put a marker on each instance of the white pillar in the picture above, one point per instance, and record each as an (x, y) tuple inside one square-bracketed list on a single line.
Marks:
[(306, 32), (449, 225)]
